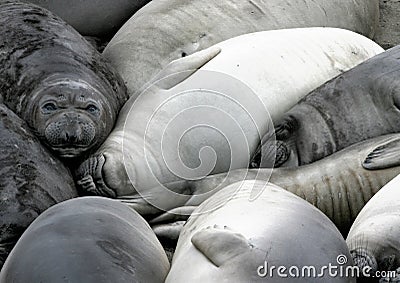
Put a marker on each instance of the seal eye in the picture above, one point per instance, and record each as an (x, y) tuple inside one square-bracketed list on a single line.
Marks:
[(49, 107), (92, 109)]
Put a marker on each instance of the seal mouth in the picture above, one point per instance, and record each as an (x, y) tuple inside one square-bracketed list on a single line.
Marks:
[(69, 152)]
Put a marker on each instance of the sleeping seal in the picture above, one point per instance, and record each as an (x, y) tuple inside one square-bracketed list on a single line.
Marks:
[(361, 103), (339, 185), (166, 30), (56, 81), (31, 179), (91, 240), (233, 239), (165, 133)]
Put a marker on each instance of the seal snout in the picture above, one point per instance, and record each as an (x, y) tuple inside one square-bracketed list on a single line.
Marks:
[(70, 133), (72, 130)]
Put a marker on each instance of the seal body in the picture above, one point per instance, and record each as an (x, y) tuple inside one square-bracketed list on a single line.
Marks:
[(226, 106), (99, 18), (373, 239), (87, 240), (339, 185), (359, 104), (56, 81), (303, 59), (31, 179), (230, 237), (179, 28)]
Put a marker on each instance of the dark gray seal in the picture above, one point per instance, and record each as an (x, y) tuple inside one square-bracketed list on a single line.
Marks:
[(56, 81), (97, 18), (91, 240), (359, 104), (31, 179)]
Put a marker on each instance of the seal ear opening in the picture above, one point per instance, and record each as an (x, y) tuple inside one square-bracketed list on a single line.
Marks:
[(219, 245)]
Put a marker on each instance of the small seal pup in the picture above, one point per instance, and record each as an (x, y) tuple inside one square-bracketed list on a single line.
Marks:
[(56, 81), (31, 179), (91, 240), (231, 238)]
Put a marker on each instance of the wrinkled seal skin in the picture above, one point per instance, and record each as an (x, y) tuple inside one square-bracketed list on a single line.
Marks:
[(359, 104), (230, 237), (183, 27), (339, 185), (56, 81), (98, 18), (92, 240), (31, 179), (374, 238)]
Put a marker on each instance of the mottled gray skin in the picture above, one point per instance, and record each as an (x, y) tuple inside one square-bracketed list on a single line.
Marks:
[(99, 18), (31, 179), (56, 81), (91, 240), (359, 104)]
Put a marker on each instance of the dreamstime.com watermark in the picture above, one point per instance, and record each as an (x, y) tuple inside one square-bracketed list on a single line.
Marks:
[(337, 270)]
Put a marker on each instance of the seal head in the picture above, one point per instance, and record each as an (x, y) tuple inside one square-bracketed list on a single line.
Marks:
[(69, 116)]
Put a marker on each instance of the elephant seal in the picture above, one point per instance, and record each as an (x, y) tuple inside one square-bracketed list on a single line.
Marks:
[(233, 238), (89, 240), (361, 103), (339, 185), (31, 180), (374, 238), (97, 18), (163, 130), (166, 30), (56, 81)]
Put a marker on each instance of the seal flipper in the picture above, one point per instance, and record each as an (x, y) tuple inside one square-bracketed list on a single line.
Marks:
[(181, 69), (220, 245), (384, 156), (90, 178)]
